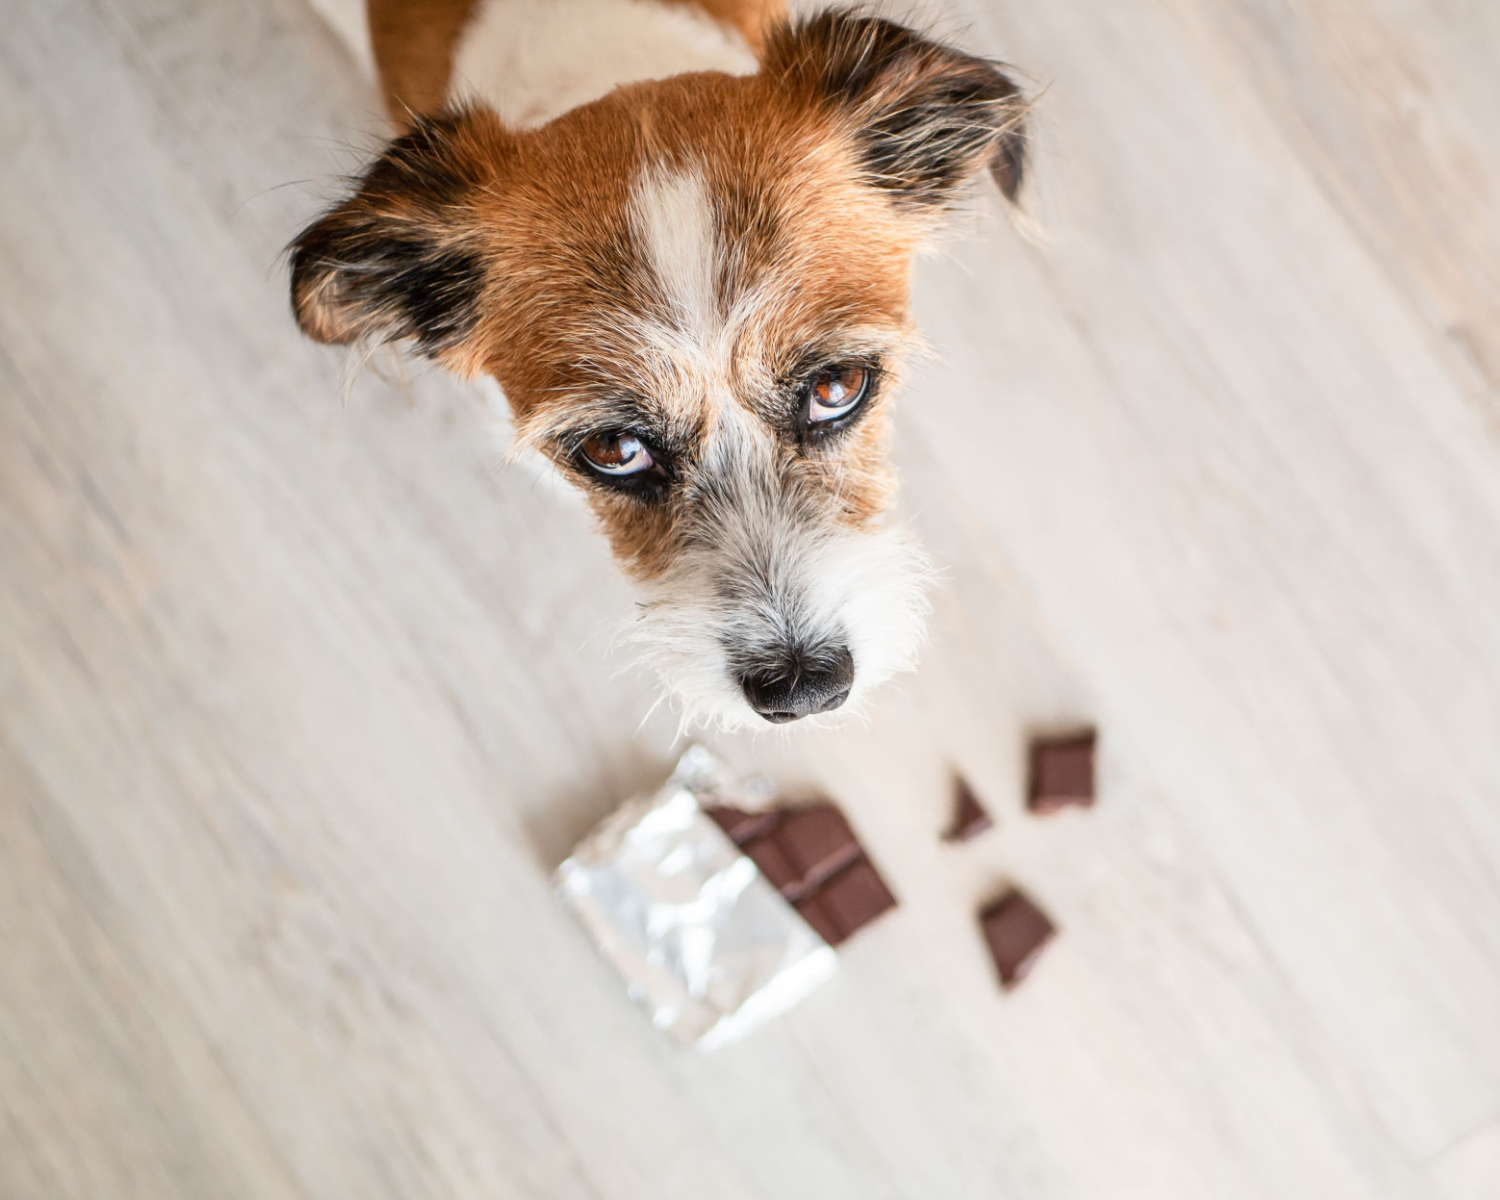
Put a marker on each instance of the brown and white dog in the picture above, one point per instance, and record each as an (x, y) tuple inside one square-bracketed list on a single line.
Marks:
[(678, 233)]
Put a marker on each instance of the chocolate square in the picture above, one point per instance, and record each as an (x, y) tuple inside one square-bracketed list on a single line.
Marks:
[(1061, 773), (969, 817), (1017, 932), (853, 898), (818, 842)]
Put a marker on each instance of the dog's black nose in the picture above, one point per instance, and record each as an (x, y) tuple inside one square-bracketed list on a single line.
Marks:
[(799, 683)]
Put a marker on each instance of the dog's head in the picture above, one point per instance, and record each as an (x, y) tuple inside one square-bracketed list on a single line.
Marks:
[(694, 294)]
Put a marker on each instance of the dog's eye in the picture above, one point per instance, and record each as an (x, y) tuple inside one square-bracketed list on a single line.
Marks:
[(617, 454), (836, 392)]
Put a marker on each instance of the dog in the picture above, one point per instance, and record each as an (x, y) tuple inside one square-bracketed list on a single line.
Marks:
[(678, 234)]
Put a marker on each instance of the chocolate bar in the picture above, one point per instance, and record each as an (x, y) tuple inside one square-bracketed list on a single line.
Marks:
[(969, 817), (811, 856), (1017, 932), (701, 938), (1061, 774)]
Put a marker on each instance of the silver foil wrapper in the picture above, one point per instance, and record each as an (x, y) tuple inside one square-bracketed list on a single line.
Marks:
[(704, 943)]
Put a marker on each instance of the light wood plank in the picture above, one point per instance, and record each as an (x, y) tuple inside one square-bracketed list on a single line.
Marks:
[(1470, 1169)]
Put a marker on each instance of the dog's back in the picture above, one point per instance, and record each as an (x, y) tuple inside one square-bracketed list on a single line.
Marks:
[(534, 60)]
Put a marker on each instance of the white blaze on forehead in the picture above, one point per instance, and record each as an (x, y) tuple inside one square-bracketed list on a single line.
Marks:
[(672, 217)]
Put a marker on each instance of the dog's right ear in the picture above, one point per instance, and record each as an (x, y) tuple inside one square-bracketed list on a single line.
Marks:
[(402, 257), (923, 116)]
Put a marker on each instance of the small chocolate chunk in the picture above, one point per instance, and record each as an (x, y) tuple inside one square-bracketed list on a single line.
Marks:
[(853, 898), (1062, 773), (969, 817), (740, 825), (818, 842), (1017, 931)]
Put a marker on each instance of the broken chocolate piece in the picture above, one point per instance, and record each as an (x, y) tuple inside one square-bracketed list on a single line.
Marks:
[(1017, 931), (1062, 773), (969, 817), (811, 856)]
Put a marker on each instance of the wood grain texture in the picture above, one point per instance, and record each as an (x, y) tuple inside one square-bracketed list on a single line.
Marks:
[(301, 701), (1468, 1169)]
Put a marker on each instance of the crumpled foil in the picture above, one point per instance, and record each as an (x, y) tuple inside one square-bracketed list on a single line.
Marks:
[(704, 943)]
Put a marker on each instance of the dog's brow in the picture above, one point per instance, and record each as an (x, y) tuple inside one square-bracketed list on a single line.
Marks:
[(589, 416), (865, 344), (567, 425)]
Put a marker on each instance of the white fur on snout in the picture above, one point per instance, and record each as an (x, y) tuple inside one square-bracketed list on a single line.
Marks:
[(810, 586)]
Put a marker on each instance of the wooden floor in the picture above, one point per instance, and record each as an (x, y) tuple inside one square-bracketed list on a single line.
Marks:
[(301, 701)]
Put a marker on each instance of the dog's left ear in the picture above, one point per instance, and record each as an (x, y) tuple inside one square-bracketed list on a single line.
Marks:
[(925, 118), (402, 257)]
